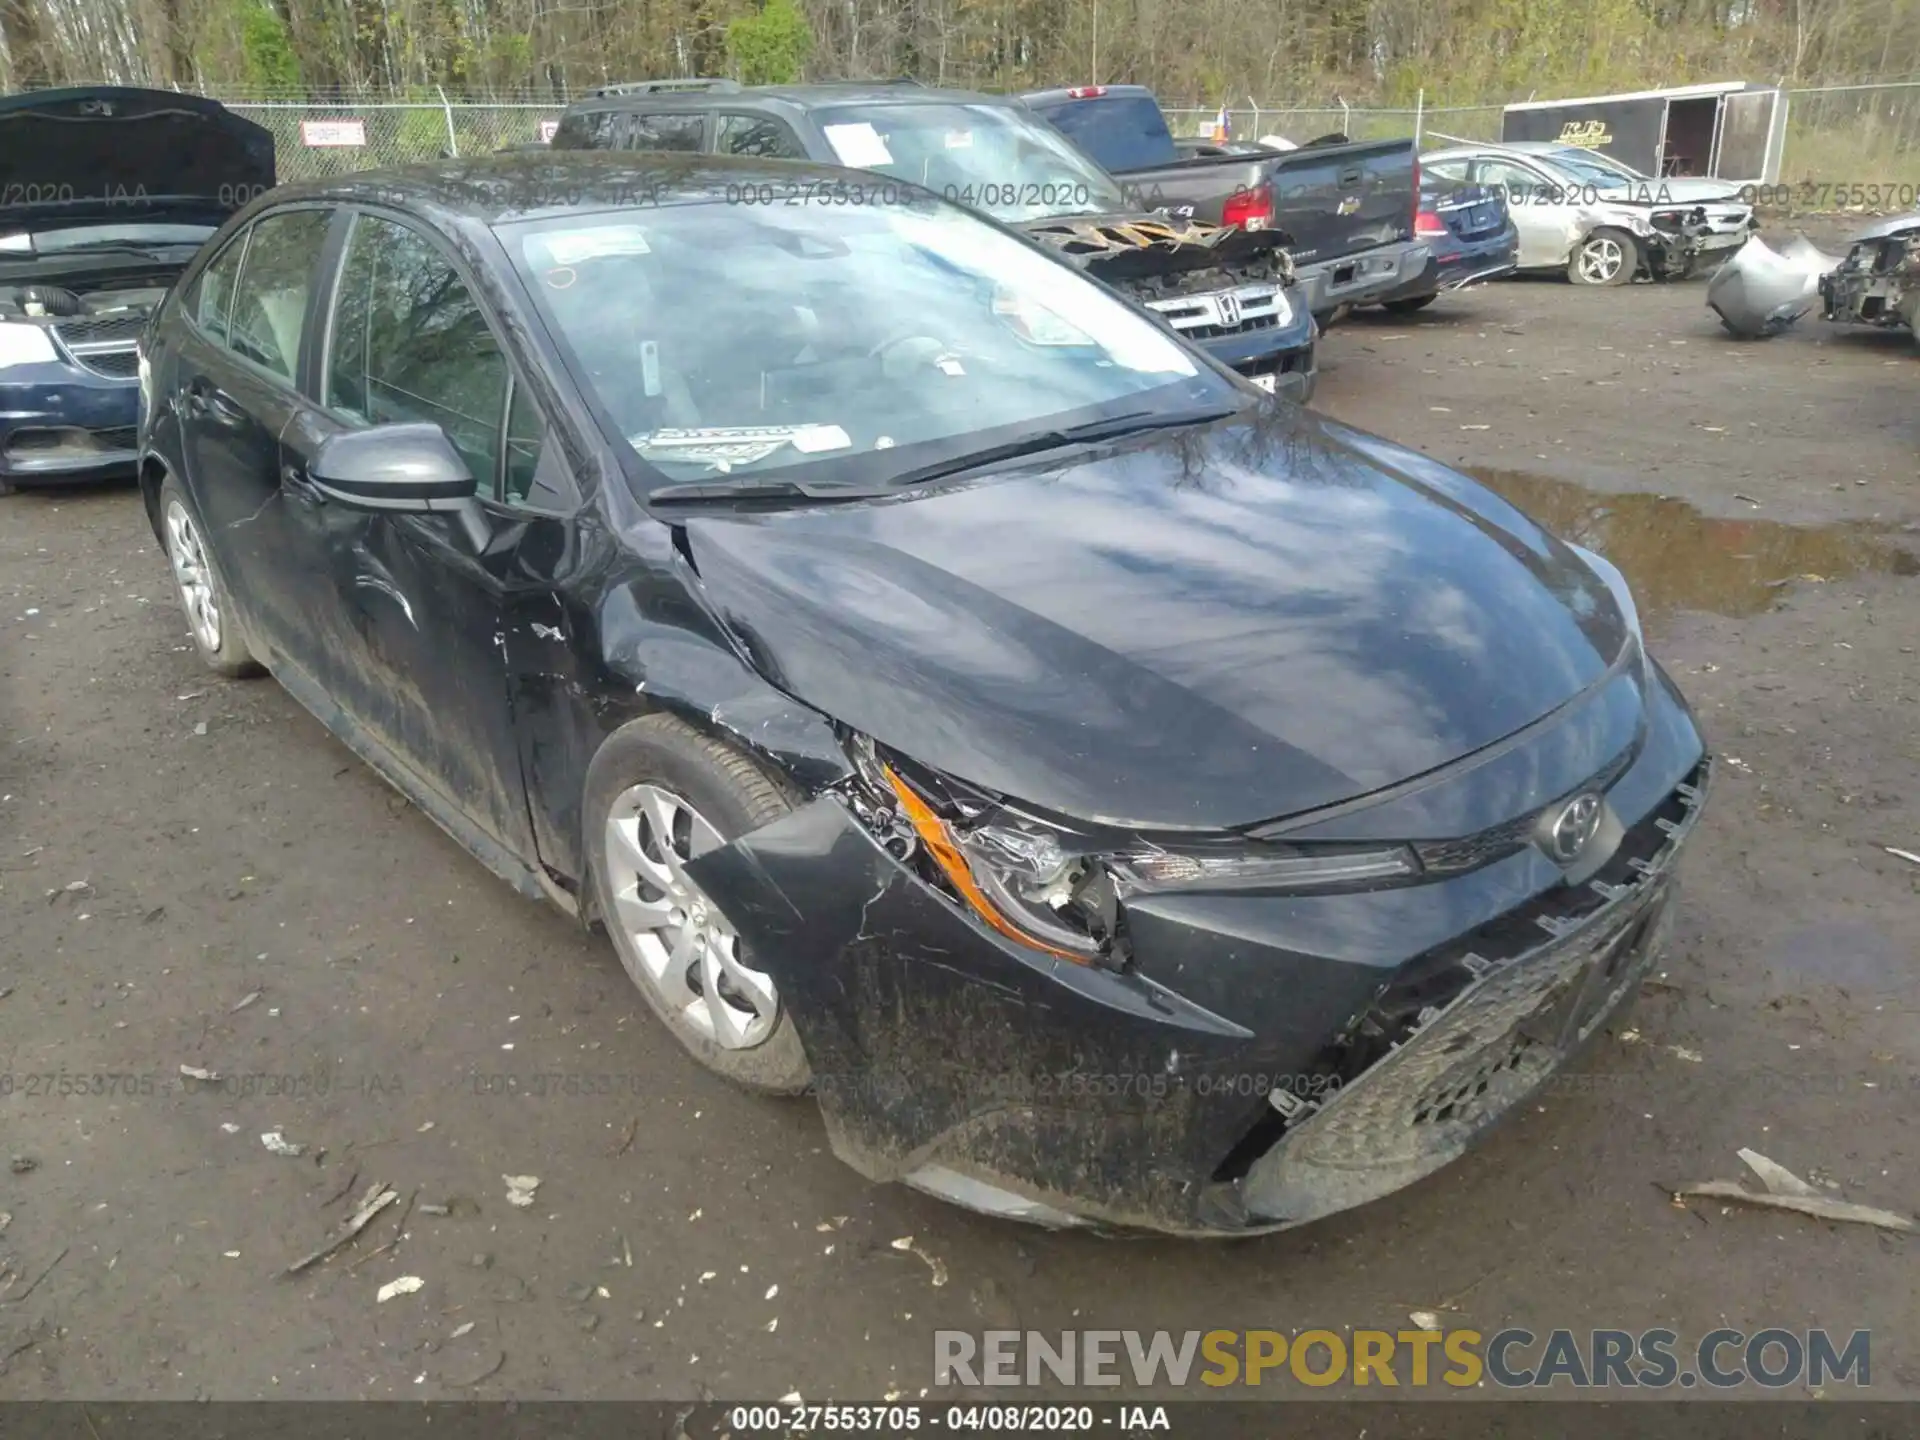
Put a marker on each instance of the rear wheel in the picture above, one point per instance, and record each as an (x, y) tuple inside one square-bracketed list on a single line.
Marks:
[(203, 595), (659, 794), (1407, 307), (1606, 257)]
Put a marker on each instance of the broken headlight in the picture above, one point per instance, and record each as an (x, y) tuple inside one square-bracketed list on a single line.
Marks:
[(1060, 891)]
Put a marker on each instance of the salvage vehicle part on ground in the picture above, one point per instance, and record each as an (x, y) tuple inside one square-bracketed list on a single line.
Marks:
[(1119, 796), (1879, 281), (1228, 288), (1761, 291), (105, 195), (1600, 227)]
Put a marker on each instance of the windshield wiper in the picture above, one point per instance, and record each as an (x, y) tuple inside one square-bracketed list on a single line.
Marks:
[(757, 490), (1113, 427)]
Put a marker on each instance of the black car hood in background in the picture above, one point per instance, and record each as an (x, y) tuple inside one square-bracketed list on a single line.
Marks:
[(110, 153), (1202, 628)]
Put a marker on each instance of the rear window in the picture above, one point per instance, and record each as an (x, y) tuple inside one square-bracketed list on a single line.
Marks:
[(1122, 132)]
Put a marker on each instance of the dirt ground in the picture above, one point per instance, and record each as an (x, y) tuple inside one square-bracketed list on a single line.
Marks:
[(172, 845)]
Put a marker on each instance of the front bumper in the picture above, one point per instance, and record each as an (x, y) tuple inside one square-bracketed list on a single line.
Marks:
[(1455, 264), (1675, 255), (60, 424), (1206, 1089), (1360, 279)]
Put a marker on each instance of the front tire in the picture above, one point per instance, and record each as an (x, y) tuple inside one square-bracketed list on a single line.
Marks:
[(1607, 257), (659, 793), (203, 594)]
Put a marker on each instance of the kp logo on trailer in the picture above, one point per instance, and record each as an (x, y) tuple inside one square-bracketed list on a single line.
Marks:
[(1591, 134)]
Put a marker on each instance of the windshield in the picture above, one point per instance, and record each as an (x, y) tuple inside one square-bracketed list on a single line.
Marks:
[(87, 237), (994, 158), (844, 344), (1593, 169)]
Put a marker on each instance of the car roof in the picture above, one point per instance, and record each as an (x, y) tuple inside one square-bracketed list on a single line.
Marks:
[(800, 97), (498, 189)]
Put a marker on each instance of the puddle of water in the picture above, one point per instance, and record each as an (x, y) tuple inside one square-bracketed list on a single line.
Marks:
[(1678, 559)]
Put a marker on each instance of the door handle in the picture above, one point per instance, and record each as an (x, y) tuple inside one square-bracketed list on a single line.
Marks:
[(206, 399)]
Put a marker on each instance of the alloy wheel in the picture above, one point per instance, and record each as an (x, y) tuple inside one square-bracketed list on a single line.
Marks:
[(672, 938), (193, 577), (1601, 259)]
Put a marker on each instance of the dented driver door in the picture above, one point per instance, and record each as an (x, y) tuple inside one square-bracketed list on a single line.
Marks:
[(410, 608)]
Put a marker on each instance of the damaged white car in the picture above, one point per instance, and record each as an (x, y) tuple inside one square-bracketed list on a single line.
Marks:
[(1879, 281), (1596, 220)]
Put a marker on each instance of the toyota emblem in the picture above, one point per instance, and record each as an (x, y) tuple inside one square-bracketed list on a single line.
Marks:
[(1229, 310), (1573, 828)]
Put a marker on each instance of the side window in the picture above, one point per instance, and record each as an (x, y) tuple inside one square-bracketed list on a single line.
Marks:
[(758, 135), (633, 131), (270, 302), (1521, 185), (212, 303), (410, 343), (1455, 170)]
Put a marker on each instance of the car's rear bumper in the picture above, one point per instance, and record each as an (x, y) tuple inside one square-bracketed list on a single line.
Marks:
[(1215, 1086), (1360, 279), (1456, 263), (60, 424)]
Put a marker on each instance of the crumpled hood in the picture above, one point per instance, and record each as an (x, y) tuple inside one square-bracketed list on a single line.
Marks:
[(1120, 249), (1201, 628), (111, 152)]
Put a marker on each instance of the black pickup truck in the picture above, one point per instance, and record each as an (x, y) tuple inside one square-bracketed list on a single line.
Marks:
[(1227, 289), (1347, 209)]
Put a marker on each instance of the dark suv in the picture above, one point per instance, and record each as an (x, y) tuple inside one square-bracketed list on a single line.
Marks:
[(1229, 289)]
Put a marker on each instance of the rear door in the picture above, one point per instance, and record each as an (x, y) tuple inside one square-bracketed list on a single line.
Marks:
[(1544, 211), (417, 605), (236, 385)]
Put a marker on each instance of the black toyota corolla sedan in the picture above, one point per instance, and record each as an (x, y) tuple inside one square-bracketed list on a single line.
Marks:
[(1118, 795)]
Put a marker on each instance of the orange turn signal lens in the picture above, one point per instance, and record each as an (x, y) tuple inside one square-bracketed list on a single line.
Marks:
[(938, 839)]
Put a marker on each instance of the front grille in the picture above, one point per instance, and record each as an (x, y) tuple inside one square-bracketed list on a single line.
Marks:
[(108, 345), (101, 330), (1205, 317), (1466, 1031), (1470, 852), (114, 364)]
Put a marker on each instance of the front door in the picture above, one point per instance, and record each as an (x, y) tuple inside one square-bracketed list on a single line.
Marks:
[(237, 393), (417, 603)]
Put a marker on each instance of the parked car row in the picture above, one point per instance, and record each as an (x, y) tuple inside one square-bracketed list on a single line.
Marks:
[(1121, 796)]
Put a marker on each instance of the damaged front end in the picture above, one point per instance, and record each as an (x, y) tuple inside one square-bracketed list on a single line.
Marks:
[(1068, 1024), (1227, 289), (1879, 281), (1678, 241)]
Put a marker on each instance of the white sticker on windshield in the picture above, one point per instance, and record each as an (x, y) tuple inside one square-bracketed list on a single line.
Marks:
[(812, 439), (650, 367), (858, 145), (572, 246), (959, 139)]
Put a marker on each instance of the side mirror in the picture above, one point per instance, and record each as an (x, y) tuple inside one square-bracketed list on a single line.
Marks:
[(410, 467)]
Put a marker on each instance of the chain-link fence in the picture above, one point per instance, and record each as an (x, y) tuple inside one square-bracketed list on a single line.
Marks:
[(317, 141), (1837, 136)]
